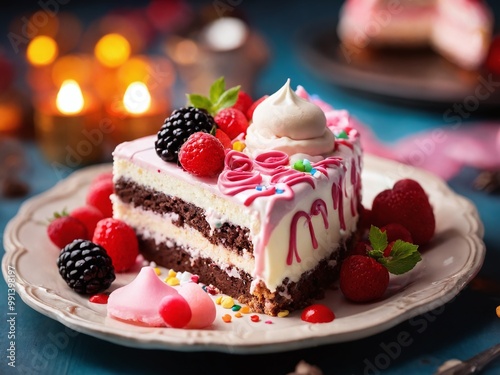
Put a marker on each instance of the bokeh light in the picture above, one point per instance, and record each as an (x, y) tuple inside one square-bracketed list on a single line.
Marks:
[(137, 98), (42, 50), (112, 50), (69, 99)]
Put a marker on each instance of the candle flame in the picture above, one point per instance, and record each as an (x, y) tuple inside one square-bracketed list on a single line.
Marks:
[(137, 98), (69, 99)]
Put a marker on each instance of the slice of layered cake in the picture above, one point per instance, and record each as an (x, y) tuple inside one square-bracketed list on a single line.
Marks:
[(270, 228)]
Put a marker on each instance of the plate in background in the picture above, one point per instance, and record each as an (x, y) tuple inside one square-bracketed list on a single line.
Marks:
[(417, 75)]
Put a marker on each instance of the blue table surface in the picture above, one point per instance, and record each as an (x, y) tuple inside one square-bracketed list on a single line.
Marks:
[(460, 329)]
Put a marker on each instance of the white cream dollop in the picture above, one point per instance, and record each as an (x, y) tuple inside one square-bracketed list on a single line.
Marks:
[(286, 122)]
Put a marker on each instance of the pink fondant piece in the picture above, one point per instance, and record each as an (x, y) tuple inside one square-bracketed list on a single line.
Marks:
[(202, 306), (139, 300)]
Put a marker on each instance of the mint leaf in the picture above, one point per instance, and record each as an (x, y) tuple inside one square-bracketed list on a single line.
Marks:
[(219, 98), (227, 99), (217, 88), (199, 101), (404, 256), (378, 239)]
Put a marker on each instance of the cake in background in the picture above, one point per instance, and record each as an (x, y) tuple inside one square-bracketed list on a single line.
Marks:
[(459, 30)]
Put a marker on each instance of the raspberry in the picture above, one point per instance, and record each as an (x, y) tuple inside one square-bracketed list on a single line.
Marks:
[(202, 155), (232, 122), (120, 242), (88, 216), (223, 138), (65, 229), (251, 109), (99, 195), (86, 267), (178, 127), (406, 204), (363, 279), (243, 102)]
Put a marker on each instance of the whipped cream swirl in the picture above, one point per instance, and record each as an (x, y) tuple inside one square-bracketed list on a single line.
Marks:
[(291, 124)]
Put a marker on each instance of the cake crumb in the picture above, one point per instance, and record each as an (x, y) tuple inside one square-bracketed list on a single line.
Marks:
[(304, 368)]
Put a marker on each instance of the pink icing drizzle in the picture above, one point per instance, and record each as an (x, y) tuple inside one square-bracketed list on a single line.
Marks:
[(317, 207), (267, 162), (238, 175), (291, 177), (338, 201)]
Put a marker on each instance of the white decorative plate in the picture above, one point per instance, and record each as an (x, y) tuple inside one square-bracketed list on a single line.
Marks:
[(453, 258)]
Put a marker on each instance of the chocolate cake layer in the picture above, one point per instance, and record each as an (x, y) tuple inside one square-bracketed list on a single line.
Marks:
[(311, 285), (230, 236)]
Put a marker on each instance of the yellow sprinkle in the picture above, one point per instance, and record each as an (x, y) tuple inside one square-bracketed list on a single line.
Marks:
[(218, 300), (227, 302), (238, 315), (172, 273), (157, 271), (173, 281), (238, 146), (245, 309), (283, 313), (498, 311)]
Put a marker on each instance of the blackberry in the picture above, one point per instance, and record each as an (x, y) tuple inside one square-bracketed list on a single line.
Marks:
[(86, 267), (178, 127)]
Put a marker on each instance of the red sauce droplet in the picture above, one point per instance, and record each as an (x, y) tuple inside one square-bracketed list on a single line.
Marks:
[(99, 298), (317, 314)]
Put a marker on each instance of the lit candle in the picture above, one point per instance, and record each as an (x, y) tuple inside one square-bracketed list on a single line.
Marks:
[(137, 113), (69, 127)]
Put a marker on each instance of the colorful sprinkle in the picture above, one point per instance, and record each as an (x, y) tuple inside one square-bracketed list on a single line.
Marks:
[(307, 165), (238, 146), (218, 300), (172, 273), (210, 289), (268, 322), (279, 191), (227, 302), (238, 315), (255, 318), (173, 281), (342, 135), (226, 318), (195, 278), (283, 313), (299, 166), (314, 171), (245, 309), (236, 308), (101, 298), (157, 271)]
